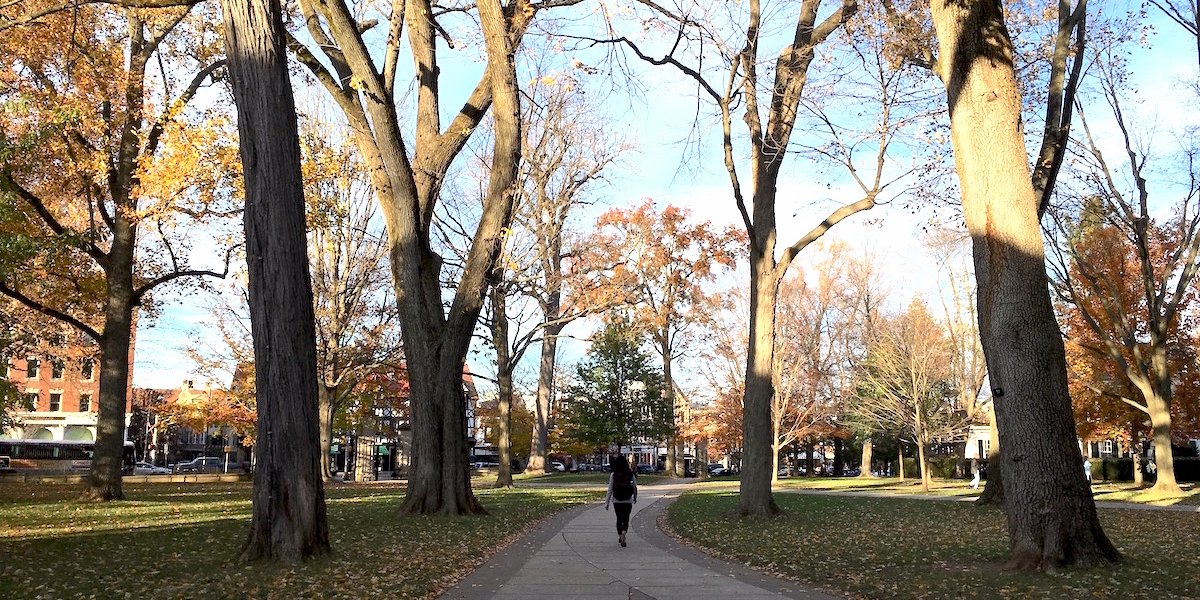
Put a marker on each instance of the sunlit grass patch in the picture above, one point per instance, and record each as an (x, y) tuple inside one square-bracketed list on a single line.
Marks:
[(880, 547), (1126, 492), (182, 541)]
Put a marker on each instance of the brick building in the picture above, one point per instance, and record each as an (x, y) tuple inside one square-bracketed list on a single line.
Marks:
[(63, 385)]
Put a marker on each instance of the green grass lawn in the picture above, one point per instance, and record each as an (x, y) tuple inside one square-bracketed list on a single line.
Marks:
[(182, 541), (883, 548)]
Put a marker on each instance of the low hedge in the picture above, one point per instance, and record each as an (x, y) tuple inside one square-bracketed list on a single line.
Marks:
[(1187, 468)]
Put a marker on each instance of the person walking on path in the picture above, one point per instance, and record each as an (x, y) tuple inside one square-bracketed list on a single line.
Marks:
[(622, 493)]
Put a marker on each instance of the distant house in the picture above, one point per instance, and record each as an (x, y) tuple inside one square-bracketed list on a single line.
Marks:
[(375, 434), (176, 426)]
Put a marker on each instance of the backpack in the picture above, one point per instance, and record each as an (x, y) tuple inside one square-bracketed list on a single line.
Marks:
[(622, 485)]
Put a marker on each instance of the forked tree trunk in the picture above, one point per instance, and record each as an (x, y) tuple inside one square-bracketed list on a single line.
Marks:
[(288, 518), (755, 488), (437, 345), (104, 482), (1052, 519), (865, 467)]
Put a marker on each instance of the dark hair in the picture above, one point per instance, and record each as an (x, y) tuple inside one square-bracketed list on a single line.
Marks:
[(618, 463)]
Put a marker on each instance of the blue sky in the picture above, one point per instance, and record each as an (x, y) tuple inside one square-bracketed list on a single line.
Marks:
[(659, 121)]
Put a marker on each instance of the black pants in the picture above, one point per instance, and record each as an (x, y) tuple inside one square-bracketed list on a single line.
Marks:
[(622, 509)]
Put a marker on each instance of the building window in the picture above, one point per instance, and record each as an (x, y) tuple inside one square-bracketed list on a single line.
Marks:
[(32, 366), (55, 401), (31, 400), (56, 369), (85, 402), (1107, 448), (87, 370)]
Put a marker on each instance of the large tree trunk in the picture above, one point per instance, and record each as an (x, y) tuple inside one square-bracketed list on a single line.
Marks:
[(325, 396), (900, 459), (810, 460), (439, 344), (104, 482), (924, 462), (865, 466), (288, 519), (922, 441), (755, 489), (504, 384), (1052, 519), (540, 440), (674, 466), (702, 458), (1164, 463)]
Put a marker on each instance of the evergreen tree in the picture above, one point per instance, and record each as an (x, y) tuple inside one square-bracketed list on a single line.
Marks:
[(617, 397)]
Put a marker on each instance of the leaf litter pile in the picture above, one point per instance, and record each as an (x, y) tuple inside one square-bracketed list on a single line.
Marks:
[(901, 548), (182, 541)]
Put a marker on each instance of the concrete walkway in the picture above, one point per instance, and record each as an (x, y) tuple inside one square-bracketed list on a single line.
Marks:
[(575, 555)]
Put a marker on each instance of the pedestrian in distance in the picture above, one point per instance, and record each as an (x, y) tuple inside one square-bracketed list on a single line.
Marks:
[(975, 480), (622, 493), (1087, 469)]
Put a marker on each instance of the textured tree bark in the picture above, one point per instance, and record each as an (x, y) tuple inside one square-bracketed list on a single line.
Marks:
[(755, 488), (288, 518), (439, 346), (1052, 518), (675, 466), (540, 441), (504, 385), (900, 459), (865, 466), (104, 482), (325, 415), (1164, 463)]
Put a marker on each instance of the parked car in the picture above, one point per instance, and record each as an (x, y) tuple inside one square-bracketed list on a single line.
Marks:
[(145, 468), (558, 466), (720, 472), (645, 469), (203, 464)]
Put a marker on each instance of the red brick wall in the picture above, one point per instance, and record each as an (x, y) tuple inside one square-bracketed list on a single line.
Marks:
[(72, 384)]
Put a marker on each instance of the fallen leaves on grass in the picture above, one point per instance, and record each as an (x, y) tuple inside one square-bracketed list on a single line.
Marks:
[(878, 547), (183, 542)]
